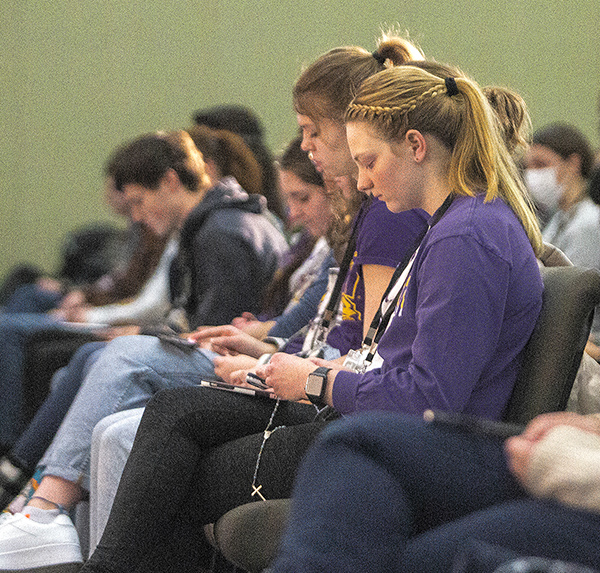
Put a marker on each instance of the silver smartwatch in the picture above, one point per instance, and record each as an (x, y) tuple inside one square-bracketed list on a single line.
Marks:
[(316, 385)]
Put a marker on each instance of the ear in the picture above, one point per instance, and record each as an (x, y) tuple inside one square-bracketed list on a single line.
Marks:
[(417, 143), (574, 163), (171, 179)]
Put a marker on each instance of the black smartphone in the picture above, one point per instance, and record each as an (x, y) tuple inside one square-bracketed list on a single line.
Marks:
[(473, 424), (175, 340), (256, 380)]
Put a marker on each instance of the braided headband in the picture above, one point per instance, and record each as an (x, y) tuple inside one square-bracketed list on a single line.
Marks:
[(371, 110)]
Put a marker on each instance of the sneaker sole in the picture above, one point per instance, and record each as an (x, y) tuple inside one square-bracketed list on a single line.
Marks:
[(59, 568)]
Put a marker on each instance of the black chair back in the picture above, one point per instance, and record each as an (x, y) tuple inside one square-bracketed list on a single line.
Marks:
[(554, 351)]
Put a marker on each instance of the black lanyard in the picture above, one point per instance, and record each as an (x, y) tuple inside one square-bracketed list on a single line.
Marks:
[(380, 321), (321, 328), (336, 293)]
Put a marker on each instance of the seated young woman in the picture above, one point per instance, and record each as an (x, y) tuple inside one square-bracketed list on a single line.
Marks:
[(381, 492), (185, 469), (382, 238), (558, 168)]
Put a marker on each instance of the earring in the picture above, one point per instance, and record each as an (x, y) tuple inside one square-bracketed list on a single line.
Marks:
[(310, 155)]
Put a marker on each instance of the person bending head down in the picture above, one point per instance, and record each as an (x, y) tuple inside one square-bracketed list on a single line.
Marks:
[(163, 177), (324, 90), (443, 128)]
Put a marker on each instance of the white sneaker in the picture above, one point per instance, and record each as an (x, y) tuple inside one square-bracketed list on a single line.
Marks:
[(27, 545)]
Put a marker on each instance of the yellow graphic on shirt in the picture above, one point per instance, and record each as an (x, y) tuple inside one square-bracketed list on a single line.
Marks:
[(349, 310), (400, 304)]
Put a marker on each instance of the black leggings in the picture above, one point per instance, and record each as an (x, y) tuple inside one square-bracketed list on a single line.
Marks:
[(193, 460)]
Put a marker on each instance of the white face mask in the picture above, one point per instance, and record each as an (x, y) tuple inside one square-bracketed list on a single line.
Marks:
[(544, 188)]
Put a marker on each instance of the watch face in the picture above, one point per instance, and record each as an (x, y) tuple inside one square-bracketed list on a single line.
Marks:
[(314, 384)]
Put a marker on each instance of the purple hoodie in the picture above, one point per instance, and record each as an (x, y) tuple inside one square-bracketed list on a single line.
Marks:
[(468, 309)]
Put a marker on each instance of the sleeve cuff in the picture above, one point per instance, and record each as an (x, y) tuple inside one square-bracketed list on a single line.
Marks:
[(344, 391), (276, 341)]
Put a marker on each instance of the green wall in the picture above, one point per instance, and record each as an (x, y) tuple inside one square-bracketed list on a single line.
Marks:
[(80, 76)]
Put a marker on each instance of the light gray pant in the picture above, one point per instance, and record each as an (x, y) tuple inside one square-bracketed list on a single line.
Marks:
[(112, 441)]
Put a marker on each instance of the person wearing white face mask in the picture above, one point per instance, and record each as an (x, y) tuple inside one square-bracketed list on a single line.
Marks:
[(545, 190), (557, 169)]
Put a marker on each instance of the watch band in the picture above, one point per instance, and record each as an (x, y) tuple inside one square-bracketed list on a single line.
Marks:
[(316, 386)]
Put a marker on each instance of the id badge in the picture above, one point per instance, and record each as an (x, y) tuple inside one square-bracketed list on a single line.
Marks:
[(356, 360)]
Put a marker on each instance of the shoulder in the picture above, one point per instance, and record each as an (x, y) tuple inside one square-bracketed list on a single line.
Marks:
[(378, 218), (234, 219), (242, 232), (587, 213), (384, 237), (488, 225)]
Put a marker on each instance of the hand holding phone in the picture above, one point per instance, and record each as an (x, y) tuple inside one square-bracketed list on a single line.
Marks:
[(255, 380)]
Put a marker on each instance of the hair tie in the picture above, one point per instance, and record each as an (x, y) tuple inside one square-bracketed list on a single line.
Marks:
[(451, 87), (379, 58)]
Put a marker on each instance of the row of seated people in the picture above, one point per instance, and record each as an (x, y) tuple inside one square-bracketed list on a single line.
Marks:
[(136, 293), (439, 272), (302, 275)]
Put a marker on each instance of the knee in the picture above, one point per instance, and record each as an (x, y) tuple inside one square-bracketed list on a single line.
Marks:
[(167, 401), (374, 432), (125, 344), (116, 439), (128, 350), (173, 407)]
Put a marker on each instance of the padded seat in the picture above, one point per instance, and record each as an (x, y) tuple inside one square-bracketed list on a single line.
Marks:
[(553, 353), (45, 352)]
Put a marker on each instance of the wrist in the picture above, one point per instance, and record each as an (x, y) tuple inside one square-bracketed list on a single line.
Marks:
[(329, 390), (264, 348), (317, 387)]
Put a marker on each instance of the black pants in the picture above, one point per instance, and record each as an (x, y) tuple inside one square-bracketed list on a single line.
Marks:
[(193, 460)]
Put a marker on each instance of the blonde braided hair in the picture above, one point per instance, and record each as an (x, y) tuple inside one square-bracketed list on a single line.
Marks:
[(406, 97), (357, 111)]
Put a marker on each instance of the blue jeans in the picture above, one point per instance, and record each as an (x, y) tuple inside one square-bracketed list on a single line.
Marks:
[(385, 493), (34, 441), (129, 371), (30, 298), (15, 328)]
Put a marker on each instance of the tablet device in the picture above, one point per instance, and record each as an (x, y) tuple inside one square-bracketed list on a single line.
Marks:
[(176, 340), (217, 384)]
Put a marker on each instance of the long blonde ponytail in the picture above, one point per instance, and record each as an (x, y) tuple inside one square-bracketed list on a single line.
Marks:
[(457, 112)]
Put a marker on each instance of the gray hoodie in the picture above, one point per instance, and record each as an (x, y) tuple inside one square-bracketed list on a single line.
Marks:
[(229, 251)]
